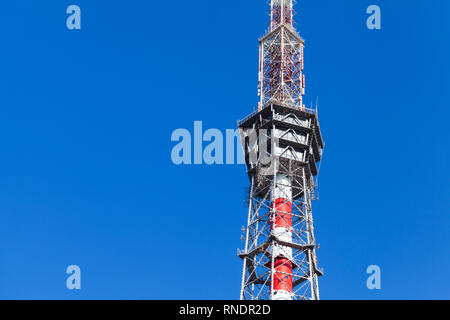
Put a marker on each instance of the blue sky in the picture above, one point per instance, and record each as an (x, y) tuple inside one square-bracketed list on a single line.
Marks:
[(86, 176)]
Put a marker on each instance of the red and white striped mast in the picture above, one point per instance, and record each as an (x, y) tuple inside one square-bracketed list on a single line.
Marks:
[(281, 219)]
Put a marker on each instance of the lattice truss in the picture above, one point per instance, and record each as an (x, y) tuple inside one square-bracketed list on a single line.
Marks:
[(281, 12), (259, 270), (281, 76)]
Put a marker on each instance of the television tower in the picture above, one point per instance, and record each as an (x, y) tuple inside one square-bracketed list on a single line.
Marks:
[(283, 146)]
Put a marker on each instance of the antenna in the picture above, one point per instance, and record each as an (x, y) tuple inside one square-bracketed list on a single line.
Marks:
[(279, 259)]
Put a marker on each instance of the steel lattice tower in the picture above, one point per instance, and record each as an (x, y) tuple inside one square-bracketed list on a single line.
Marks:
[(283, 146)]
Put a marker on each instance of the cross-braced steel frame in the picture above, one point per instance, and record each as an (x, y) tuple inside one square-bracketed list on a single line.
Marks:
[(259, 269), (281, 76)]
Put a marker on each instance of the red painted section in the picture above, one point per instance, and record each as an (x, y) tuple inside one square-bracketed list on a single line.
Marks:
[(283, 219), (283, 267), (282, 280)]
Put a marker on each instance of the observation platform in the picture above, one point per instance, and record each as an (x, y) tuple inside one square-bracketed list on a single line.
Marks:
[(285, 135)]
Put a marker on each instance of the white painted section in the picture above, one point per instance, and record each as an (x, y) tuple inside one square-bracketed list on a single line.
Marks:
[(283, 190), (278, 250), (282, 295), (283, 234)]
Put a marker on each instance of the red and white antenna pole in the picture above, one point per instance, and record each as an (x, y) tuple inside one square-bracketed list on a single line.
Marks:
[(281, 228)]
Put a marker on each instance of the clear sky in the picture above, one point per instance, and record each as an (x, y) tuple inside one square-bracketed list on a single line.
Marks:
[(86, 176)]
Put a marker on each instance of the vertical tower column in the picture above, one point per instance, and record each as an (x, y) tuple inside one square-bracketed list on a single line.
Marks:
[(281, 228), (280, 261)]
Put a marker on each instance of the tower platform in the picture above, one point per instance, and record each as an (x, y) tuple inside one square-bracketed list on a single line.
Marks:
[(289, 136)]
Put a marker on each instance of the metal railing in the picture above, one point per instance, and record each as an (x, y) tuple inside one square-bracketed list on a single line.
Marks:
[(268, 104)]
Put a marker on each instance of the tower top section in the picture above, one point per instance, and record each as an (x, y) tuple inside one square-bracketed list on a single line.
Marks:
[(281, 79), (281, 13)]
